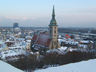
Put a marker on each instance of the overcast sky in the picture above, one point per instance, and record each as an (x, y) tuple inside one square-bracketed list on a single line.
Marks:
[(69, 13)]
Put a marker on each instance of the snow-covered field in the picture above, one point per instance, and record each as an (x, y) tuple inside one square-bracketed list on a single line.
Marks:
[(4, 67), (84, 66)]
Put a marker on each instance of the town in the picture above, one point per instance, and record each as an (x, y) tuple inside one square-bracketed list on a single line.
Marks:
[(17, 42)]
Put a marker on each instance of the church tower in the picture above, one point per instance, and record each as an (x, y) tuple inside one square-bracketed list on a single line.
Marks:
[(53, 30)]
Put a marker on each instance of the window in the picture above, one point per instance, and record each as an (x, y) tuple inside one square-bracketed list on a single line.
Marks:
[(54, 31)]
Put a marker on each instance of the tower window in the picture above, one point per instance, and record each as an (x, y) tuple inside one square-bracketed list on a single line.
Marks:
[(55, 31)]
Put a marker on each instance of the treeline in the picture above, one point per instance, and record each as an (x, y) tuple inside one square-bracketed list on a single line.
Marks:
[(72, 30), (32, 62)]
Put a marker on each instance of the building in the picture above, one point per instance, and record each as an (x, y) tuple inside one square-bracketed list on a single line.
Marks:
[(94, 40), (15, 25), (46, 40), (53, 30), (16, 28)]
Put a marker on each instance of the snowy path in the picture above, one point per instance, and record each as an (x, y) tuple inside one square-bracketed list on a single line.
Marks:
[(84, 66), (4, 67)]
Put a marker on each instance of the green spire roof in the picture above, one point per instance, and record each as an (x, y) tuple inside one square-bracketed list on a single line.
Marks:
[(53, 20), (53, 14)]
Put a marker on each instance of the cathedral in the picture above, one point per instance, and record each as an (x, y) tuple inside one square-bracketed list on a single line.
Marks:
[(53, 32), (46, 40)]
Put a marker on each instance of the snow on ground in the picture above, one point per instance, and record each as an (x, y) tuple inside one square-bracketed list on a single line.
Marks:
[(84, 66), (11, 53), (4, 67)]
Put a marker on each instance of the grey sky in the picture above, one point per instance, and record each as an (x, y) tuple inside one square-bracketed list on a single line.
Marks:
[(70, 13)]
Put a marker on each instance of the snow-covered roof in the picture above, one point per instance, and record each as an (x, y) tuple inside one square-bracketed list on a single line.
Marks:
[(9, 41), (83, 41), (68, 41), (59, 50), (10, 53), (28, 37), (1, 42)]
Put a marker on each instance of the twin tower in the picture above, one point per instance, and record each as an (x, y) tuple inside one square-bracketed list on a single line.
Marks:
[(53, 31)]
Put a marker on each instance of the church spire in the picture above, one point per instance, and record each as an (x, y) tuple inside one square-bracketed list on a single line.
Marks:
[(53, 14), (53, 20), (53, 32)]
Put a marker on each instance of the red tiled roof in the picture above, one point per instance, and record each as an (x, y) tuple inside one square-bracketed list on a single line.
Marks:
[(43, 39), (34, 37)]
